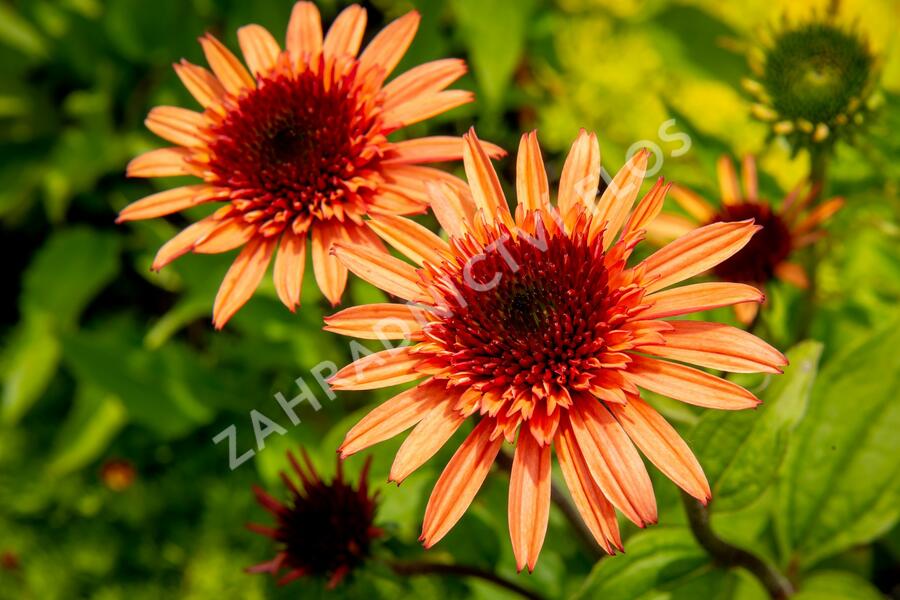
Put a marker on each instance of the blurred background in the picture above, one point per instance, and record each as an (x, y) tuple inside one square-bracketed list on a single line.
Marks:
[(115, 383)]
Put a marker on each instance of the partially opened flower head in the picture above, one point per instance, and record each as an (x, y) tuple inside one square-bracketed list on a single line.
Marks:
[(294, 145), (324, 530), (786, 228), (813, 82), (531, 327)]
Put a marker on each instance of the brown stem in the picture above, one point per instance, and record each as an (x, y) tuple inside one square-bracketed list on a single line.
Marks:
[(432, 568), (727, 555), (564, 503)]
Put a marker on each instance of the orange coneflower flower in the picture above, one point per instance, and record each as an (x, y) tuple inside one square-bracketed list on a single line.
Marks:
[(784, 229), (325, 530), (534, 328), (295, 144)]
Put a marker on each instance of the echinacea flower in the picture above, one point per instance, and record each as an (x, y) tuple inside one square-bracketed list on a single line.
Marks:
[(814, 82), (295, 144), (325, 529), (532, 327), (785, 228)]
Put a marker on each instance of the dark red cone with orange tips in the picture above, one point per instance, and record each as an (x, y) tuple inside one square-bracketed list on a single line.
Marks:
[(324, 529)]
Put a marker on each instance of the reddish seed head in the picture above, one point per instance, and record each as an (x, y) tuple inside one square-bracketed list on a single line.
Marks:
[(289, 149), (755, 263), (323, 530)]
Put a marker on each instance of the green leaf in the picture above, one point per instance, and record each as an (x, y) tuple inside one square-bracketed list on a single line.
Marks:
[(152, 390), (67, 272), (29, 362), (93, 422), (494, 33), (841, 484), (836, 585), (741, 451), (16, 32), (655, 559)]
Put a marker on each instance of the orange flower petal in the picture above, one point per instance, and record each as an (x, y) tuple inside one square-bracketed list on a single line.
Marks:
[(662, 445), (260, 49), (696, 297), (529, 499), (532, 189), (751, 187), (793, 274), (162, 162), (381, 270), (667, 227), (728, 181), (330, 273), (168, 202), (718, 346), (450, 209), (202, 84), (304, 33), (428, 436), (177, 125), (346, 33), (377, 370), (613, 461), (242, 279), (230, 234), (394, 201), (422, 81), (692, 203), (388, 47), (818, 215), (228, 69), (437, 148), (289, 264), (427, 106), (393, 417), (486, 190), (184, 241), (746, 312), (580, 176), (618, 198), (648, 208), (410, 238), (598, 514), (688, 384), (695, 252), (459, 482), (377, 321)]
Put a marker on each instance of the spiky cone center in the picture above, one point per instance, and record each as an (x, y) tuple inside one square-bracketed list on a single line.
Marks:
[(529, 321), (302, 146), (324, 530), (756, 262)]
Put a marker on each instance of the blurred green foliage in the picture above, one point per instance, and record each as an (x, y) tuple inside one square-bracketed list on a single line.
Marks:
[(103, 359)]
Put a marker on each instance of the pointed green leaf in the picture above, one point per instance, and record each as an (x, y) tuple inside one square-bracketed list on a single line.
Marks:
[(741, 451), (841, 484), (655, 559)]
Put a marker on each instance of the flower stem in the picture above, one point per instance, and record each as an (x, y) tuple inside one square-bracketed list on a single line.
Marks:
[(727, 555), (434, 568), (818, 168), (564, 504)]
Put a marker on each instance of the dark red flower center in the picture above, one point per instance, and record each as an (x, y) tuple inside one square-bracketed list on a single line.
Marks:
[(525, 312), (328, 529), (755, 263), (293, 146)]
